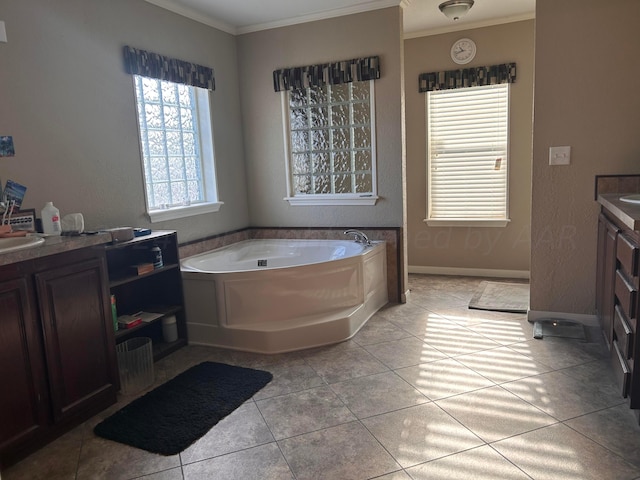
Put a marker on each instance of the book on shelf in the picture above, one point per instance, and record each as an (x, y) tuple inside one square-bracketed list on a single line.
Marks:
[(149, 316), (142, 268), (129, 321)]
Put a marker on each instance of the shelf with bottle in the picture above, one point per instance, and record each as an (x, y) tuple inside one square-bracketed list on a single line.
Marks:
[(158, 290)]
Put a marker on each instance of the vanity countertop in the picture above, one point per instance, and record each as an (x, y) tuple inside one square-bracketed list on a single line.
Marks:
[(53, 245), (627, 213)]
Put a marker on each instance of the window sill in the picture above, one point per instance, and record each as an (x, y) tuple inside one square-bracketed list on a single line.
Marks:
[(466, 223), (331, 200), (181, 212)]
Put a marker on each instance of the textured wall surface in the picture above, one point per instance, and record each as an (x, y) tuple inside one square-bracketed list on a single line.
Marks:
[(584, 97), (69, 105)]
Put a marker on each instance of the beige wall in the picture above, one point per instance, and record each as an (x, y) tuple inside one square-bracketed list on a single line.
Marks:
[(65, 99), (586, 96), (353, 36), (467, 247)]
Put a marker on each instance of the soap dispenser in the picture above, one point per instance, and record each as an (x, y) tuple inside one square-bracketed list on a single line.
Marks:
[(51, 220)]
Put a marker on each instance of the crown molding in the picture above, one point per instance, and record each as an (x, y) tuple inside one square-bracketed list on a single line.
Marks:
[(194, 15), (175, 7), (338, 12)]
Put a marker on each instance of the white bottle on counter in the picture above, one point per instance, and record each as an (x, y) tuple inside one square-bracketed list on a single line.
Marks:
[(51, 220)]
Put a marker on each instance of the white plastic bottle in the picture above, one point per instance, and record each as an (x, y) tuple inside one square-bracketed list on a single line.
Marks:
[(51, 220)]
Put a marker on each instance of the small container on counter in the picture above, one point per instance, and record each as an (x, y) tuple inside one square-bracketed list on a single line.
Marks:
[(51, 220)]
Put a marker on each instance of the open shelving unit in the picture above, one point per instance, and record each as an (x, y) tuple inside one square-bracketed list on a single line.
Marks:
[(158, 291)]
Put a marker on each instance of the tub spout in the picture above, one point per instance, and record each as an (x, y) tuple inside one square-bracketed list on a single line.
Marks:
[(358, 236)]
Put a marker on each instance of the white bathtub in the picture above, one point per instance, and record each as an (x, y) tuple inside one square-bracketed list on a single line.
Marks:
[(273, 296)]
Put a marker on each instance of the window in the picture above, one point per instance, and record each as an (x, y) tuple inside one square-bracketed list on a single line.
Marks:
[(331, 144), (467, 157), (177, 148)]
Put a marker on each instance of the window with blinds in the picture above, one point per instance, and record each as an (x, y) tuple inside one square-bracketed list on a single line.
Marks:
[(467, 157)]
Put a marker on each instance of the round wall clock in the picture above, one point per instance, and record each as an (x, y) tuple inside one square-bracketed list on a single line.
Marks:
[(463, 51)]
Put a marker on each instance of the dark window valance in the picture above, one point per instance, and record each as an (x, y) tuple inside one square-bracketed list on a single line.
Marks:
[(467, 77), (153, 65), (358, 69)]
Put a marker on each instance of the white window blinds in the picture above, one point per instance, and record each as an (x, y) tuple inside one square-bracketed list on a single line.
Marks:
[(467, 131)]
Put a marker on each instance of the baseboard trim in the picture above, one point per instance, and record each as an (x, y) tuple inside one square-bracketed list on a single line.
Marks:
[(469, 272), (587, 320), (405, 296)]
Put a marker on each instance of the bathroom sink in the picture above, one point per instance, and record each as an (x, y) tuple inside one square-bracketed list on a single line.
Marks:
[(11, 244), (631, 198)]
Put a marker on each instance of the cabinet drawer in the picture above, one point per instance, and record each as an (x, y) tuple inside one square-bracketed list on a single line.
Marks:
[(627, 253), (627, 294), (621, 370), (624, 333)]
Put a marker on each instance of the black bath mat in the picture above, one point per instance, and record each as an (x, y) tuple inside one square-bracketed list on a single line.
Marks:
[(173, 416)]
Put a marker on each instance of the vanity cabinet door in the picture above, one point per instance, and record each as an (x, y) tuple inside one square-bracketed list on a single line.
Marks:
[(24, 401), (605, 275), (79, 343)]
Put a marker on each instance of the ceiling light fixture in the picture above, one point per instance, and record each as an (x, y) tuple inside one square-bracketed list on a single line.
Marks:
[(454, 9)]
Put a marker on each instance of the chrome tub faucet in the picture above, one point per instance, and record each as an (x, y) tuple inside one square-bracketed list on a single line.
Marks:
[(358, 236)]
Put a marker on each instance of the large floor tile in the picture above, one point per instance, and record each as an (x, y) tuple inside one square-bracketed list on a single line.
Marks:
[(171, 474), (342, 364), (288, 377), (502, 364), (379, 393), (493, 413), (615, 428), (560, 353), (468, 317), (443, 378), (399, 475), (452, 339), (303, 412), (104, 459), (379, 329), (405, 352), (416, 324), (418, 434), (505, 331), (260, 463), (56, 461), (559, 453), (242, 429), (565, 394), (482, 463), (345, 452), (400, 310)]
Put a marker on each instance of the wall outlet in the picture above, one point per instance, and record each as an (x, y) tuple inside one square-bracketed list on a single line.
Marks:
[(559, 155)]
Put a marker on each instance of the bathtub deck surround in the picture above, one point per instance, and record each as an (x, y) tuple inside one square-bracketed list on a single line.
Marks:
[(275, 296)]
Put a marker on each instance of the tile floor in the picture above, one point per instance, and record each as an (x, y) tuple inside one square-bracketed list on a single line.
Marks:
[(426, 390)]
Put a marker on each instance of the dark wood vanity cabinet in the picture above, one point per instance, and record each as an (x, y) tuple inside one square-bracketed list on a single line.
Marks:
[(24, 413), (617, 302), (58, 365)]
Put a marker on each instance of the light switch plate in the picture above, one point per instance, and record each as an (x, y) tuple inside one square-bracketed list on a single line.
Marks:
[(559, 155), (3, 33)]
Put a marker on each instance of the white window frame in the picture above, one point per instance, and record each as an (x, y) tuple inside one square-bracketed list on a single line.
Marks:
[(329, 199), (499, 161), (211, 202)]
